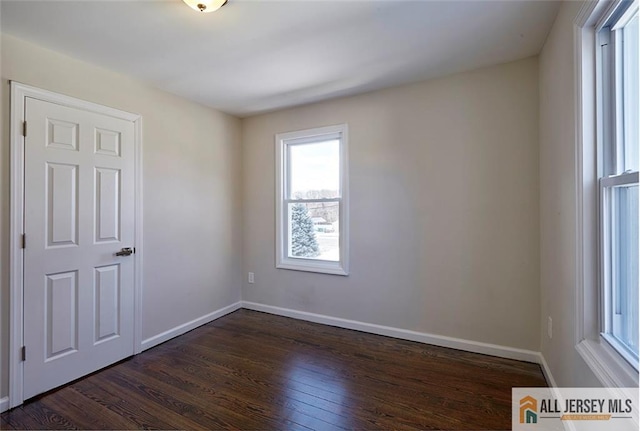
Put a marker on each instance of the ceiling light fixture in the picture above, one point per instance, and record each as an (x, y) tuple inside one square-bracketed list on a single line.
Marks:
[(205, 5)]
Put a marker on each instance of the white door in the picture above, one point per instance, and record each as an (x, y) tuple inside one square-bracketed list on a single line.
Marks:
[(79, 212)]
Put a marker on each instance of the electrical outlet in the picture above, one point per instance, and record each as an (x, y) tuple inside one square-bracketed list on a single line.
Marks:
[(550, 327), (251, 278)]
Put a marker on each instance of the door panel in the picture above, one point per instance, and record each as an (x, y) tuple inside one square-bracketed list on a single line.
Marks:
[(62, 316), (62, 134), (107, 285), (62, 204), (79, 203), (108, 204)]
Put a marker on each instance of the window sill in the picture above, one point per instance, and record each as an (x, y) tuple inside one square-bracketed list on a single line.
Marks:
[(607, 365), (323, 267)]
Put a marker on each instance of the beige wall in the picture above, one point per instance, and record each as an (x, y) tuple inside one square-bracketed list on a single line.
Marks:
[(462, 202), (558, 203), (444, 208), (192, 157)]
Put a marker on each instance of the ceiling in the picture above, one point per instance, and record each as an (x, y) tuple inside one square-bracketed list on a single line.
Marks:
[(254, 56)]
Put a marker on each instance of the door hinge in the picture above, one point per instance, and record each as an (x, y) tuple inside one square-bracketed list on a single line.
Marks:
[(24, 353), (24, 129), (24, 241)]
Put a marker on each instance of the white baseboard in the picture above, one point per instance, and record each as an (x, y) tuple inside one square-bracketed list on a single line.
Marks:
[(547, 371), (404, 334), (186, 327), (4, 404)]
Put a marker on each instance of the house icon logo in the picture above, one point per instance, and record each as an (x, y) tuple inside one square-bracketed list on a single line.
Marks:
[(528, 410)]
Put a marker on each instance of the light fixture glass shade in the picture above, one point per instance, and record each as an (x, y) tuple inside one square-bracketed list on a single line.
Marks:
[(205, 5)]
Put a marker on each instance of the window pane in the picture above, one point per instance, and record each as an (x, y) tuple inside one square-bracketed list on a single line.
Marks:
[(630, 94), (314, 230), (315, 170), (624, 270)]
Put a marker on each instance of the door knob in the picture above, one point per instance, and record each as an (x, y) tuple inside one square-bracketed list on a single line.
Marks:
[(127, 251)]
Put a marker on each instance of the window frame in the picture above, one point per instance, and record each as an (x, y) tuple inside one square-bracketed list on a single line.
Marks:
[(283, 141), (609, 366), (610, 167)]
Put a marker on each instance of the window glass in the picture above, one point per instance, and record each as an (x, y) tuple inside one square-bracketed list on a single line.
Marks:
[(624, 268), (630, 61), (315, 170)]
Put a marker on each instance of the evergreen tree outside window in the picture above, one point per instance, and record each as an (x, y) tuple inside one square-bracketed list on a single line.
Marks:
[(311, 200), (303, 237)]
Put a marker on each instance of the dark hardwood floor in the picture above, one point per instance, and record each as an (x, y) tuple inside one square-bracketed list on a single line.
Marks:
[(255, 371)]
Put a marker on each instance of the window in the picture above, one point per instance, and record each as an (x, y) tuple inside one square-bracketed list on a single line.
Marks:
[(618, 160), (311, 200)]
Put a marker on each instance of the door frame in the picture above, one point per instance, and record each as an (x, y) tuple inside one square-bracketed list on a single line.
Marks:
[(19, 93)]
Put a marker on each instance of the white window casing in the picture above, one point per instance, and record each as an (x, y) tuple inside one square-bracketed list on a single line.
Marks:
[(283, 143)]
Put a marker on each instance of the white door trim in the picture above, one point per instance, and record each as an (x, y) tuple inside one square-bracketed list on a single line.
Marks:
[(16, 259)]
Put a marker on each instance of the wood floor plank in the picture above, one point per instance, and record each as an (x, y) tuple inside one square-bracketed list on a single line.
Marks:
[(275, 373), (5, 425), (50, 419), (260, 396), (87, 413), (376, 384), (251, 370), (128, 406), (194, 405), (19, 419), (162, 408)]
